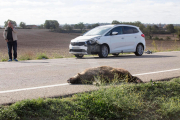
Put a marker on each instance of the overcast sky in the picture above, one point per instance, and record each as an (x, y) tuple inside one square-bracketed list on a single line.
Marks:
[(90, 11)]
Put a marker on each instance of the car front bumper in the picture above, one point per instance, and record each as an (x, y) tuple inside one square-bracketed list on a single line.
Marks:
[(84, 50), (78, 49)]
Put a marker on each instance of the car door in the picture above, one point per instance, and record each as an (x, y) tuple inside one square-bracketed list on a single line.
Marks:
[(130, 39), (117, 41)]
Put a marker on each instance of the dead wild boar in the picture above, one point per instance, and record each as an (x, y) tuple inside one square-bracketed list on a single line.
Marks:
[(108, 74)]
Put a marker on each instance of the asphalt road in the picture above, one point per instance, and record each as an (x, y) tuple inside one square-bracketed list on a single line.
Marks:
[(48, 78)]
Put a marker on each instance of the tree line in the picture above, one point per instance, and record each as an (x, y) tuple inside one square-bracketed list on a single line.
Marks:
[(53, 25), (149, 31), (79, 27)]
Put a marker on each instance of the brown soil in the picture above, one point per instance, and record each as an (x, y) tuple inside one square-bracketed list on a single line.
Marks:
[(40, 41), (33, 41)]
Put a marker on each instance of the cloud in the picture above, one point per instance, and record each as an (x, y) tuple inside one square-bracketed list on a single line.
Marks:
[(28, 3), (89, 11)]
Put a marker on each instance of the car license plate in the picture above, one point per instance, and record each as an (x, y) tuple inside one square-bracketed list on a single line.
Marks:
[(75, 47)]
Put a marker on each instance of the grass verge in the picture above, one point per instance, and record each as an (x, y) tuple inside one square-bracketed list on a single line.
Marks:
[(27, 56), (153, 100), (42, 56)]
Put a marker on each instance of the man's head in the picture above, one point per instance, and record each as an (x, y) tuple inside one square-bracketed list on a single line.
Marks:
[(9, 24)]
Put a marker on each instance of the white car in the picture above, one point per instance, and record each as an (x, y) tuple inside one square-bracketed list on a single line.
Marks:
[(109, 39)]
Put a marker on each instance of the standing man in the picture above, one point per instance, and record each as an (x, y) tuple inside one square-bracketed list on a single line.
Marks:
[(10, 35)]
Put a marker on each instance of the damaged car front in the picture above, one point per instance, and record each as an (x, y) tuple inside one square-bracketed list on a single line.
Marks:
[(89, 43)]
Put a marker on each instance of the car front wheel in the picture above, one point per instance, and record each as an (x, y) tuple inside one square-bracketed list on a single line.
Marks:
[(103, 51), (79, 56), (139, 50)]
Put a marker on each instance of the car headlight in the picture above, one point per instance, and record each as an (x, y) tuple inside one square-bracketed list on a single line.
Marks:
[(93, 40)]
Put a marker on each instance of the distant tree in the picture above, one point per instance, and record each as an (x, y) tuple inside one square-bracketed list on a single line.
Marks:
[(67, 27), (51, 24), (141, 27), (136, 23), (178, 34), (148, 31), (56, 24), (170, 28), (155, 28), (12, 22), (80, 26), (177, 28), (76, 26), (95, 25), (115, 22), (47, 24), (22, 25), (41, 26), (89, 27)]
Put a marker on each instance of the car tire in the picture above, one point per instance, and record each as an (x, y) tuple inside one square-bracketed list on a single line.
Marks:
[(79, 56), (115, 54), (104, 51), (139, 50)]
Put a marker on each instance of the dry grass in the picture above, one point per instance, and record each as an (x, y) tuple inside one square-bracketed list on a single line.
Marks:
[(162, 45), (32, 42), (164, 36)]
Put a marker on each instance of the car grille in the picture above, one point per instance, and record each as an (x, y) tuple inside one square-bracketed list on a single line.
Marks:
[(77, 50), (77, 43)]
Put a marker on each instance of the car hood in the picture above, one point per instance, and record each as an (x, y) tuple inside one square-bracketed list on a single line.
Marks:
[(84, 38)]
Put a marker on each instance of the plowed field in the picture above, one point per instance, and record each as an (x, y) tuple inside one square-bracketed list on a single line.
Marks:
[(33, 41)]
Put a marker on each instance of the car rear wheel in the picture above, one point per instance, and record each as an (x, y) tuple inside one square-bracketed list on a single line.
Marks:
[(79, 56), (139, 50), (103, 51)]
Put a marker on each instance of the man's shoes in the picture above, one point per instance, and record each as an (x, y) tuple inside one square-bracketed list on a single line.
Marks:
[(10, 60), (16, 60)]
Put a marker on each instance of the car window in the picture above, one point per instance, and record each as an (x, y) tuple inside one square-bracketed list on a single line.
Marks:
[(128, 30), (109, 33), (98, 31), (135, 30), (116, 29)]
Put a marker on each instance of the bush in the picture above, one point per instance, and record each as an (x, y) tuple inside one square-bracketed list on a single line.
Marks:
[(168, 38), (156, 38), (161, 32)]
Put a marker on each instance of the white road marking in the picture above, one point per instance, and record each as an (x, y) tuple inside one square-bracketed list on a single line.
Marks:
[(64, 84), (156, 72), (33, 88)]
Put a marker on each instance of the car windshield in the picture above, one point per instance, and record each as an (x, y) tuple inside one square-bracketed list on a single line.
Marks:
[(98, 31)]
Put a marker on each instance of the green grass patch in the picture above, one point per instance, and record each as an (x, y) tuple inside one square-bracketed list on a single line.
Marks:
[(57, 56), (4, 59), (27, 56), (147, 101), (42, 56)]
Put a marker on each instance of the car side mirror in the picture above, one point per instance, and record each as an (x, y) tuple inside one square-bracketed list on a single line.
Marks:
[(114, 33)]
